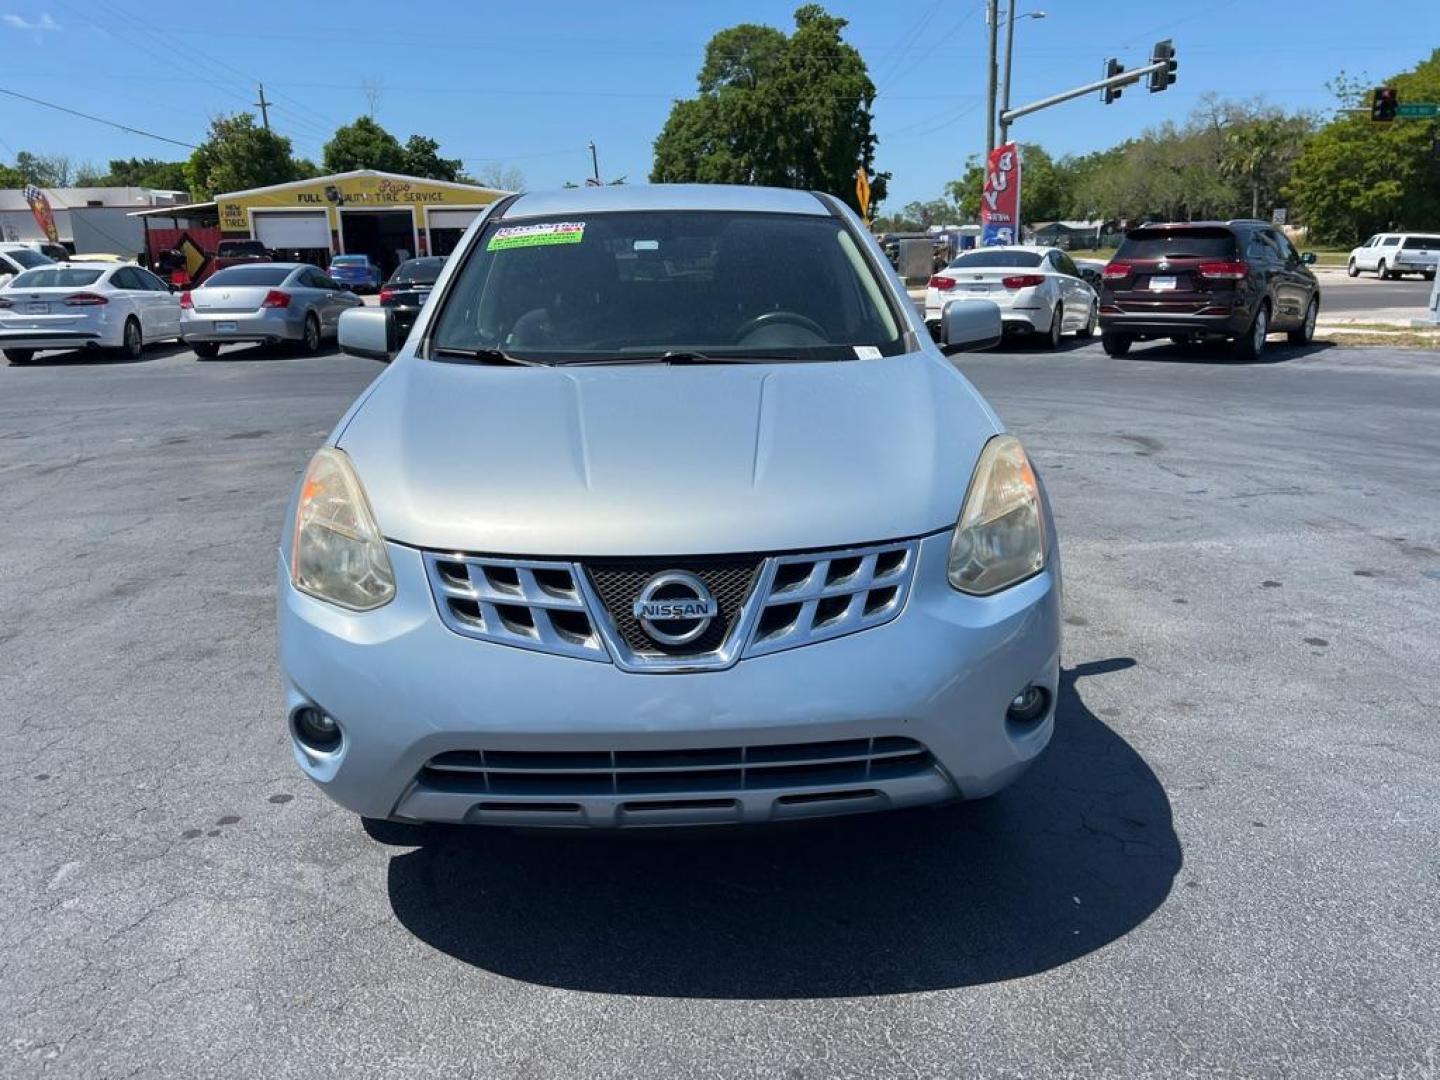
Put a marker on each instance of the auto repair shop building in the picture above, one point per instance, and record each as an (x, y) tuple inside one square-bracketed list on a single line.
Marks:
[(386, 216)]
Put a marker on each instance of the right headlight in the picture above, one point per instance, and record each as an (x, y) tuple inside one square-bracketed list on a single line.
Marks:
[(338, 553), (1000, 537)]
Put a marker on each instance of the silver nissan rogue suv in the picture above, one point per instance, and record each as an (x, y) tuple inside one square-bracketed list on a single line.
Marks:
[(668, 511)]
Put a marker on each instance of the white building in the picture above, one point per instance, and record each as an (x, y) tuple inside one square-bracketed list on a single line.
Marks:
[(89, 220)]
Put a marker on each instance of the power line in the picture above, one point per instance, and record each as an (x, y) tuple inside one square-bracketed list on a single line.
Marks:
[(97, 119), (142, 35)]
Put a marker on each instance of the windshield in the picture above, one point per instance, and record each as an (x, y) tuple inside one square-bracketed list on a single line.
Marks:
[(421, 271), (257, 274), (27, 258), (55, 277), (995, 258), (613, 285), (1177, 243)]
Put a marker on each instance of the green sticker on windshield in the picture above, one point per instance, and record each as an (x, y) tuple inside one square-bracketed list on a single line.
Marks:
[(553, 232)]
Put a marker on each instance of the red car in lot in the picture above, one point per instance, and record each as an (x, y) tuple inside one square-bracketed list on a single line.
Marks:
[(1235, 280)]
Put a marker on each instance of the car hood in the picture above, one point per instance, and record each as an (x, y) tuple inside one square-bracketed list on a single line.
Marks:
[(666, 460)]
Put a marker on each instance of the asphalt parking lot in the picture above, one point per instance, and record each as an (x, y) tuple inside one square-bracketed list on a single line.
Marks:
[(1225, 865), (1356, 298)]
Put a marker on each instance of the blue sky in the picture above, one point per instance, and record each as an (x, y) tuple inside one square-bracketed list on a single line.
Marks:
[(528, 86)]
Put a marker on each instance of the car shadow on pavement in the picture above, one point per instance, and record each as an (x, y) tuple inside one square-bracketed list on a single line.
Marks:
[(262, 352), (1275, 352), (103, 357), (1076, 854), (1036, 343)]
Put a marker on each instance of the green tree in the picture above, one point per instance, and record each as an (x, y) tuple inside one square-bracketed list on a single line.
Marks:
[(422, 158), (236, 156), (1044, 186), (785, 111), (147, 172), (1354, 176), (11, 177), (363, 145), (497, 175), (965, 193), (44, 170)]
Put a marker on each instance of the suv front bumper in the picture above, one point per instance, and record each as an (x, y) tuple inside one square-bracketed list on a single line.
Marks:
[(404, 689)]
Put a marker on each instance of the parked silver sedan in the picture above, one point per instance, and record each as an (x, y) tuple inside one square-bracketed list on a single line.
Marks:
[(264, 302)]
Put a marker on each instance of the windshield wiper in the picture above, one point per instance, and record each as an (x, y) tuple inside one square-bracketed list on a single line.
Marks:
[(489, 356), (677, 357)]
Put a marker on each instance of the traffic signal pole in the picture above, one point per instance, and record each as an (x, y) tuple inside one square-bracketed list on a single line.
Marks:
[(1126, 78)]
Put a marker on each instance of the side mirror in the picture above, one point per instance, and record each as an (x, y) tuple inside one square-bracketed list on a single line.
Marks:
[(1308, 258), (970, 326), (369, 332)]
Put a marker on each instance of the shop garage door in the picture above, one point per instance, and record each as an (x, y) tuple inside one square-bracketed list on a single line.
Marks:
[(451, 219), (292, 231), (446, 228)]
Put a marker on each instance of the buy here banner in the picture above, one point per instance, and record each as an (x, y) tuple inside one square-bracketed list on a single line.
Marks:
[(1000, 199)]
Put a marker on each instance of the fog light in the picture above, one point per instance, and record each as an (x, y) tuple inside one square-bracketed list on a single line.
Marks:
[(1029, 705), (316, 729)]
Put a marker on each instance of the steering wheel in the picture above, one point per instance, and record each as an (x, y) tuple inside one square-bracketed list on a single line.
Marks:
[(779, 318)]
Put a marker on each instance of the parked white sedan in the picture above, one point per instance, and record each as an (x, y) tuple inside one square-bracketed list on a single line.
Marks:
[(1039, 290), (85, 305)]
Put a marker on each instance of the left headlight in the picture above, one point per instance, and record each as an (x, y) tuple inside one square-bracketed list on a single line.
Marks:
[(338, 554), (1000, 537)]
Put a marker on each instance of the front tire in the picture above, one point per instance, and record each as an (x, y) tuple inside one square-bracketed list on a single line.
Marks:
[(1116, 344), (1057, 323), (1383, 271), (1305, 332), (1088, 330), (1252, 345), (19, 356), (132, 342), (206, 350), (1352, 269)]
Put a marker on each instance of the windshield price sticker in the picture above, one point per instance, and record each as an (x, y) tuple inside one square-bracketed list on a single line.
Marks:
[(553, 232)]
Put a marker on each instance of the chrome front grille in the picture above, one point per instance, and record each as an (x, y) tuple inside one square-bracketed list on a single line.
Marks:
[(533, 605), (737, 769), (817, 597), (618, 584), (585, 609)]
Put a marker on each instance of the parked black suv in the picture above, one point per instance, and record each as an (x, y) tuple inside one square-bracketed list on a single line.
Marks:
[(1236, 280), (409, 287)]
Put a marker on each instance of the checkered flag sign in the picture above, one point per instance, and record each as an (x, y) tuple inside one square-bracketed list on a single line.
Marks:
[(40, 207)]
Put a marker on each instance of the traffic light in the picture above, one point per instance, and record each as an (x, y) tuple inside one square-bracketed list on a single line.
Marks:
[(1383, 104), (1110, 93), (1159, 80)]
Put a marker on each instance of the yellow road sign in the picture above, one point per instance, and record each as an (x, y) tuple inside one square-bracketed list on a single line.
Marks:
[(862, 192)]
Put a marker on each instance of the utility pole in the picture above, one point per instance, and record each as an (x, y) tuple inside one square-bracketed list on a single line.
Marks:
[(264, 107), (992, 19), (1009, 63), (595, 162)]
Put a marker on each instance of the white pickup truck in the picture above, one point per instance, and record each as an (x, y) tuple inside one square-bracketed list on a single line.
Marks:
[(1391, 255)]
